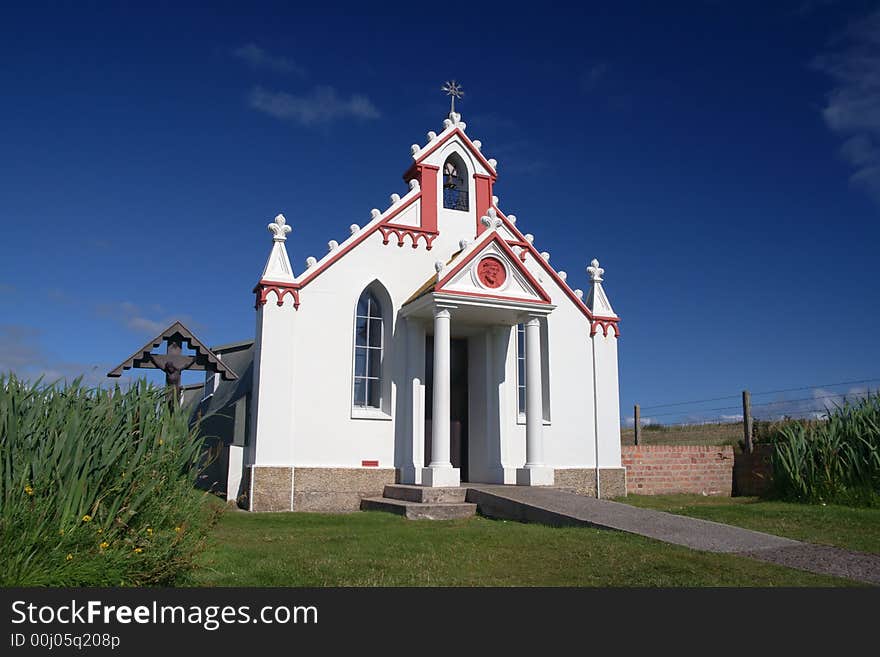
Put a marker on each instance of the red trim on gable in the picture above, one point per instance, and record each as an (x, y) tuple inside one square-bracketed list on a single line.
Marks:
[(496, 238), (364, 234), (263, 288), (467, 141), (428, 207), (483, 188), (530, 248)]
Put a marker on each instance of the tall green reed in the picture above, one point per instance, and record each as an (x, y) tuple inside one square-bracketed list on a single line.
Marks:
[(834, 461), (96, 486)]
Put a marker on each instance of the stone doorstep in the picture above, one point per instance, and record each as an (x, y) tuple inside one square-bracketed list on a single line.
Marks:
[(424, 494), (420, 510)]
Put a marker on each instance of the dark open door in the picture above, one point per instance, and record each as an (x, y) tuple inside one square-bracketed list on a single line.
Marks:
[(458, 403)]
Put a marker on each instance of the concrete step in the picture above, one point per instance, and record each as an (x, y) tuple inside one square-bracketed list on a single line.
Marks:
[(420, 510), (425, 495)]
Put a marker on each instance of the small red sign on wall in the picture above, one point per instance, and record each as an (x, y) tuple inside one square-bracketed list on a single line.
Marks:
[(370, 464)]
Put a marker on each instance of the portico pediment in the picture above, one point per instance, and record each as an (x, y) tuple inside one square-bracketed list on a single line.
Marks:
[(491, 269)]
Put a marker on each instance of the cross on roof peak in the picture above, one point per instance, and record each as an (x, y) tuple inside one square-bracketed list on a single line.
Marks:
[(452, 89)]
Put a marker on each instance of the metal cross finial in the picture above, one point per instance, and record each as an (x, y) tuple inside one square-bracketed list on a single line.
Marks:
[(453, 89), (595, 271)]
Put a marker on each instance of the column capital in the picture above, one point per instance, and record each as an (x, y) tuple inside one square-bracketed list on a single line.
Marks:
[(443, 311), (532, 320)]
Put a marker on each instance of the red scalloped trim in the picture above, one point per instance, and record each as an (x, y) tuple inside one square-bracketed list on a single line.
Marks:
[(605, 324), (413, 233), (263, 288)]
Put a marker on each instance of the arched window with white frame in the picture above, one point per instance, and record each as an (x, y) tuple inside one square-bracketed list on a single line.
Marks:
[(369, 344)]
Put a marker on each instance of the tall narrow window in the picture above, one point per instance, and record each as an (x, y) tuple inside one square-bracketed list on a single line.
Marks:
[(455, 183), (368, 343), (521, 368), (521, 372)]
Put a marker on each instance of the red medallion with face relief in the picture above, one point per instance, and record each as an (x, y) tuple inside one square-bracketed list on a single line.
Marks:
[(491, 272)]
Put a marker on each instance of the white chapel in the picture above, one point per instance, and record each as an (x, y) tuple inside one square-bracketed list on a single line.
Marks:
[(435, 345)]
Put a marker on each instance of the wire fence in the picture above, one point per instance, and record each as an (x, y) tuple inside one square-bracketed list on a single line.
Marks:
[(803, 402)]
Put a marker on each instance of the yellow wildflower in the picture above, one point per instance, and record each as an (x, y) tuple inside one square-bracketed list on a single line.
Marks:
[(161, 442), (178, 529), (69, 557), (149, 531), (104, 544), (61, 532), (28, 489), (139, 550), (87, 518), (100, 530)]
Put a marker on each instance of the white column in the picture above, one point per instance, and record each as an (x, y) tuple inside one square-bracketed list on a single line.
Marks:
[(440, 423), (535, 473), (440, 471)]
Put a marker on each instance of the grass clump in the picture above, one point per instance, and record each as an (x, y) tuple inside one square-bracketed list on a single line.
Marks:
[(96, 487), (835, 461)]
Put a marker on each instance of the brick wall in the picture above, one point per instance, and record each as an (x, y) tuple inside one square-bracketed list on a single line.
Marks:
[(663, 469)]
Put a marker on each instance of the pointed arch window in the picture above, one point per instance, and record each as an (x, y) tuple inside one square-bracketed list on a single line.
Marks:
[(455, 183), (369, 342)]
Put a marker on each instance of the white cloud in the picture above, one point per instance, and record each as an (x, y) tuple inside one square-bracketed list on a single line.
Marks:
[(320, 106), (22, 353), (145, 321), (259, 58), (853, 106)]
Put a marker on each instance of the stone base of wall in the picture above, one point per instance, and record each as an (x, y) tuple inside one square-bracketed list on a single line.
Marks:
[(670, 469), (271, 487), (583, 481), (338, 490), (324, 490)]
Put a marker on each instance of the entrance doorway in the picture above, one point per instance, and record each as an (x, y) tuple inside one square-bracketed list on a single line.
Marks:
[(458, 403)]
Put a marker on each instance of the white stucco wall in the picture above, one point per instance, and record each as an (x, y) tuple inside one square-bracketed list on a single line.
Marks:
[(303, 412)]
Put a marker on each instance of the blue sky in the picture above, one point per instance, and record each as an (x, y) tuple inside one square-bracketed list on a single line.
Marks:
[(721, 159)]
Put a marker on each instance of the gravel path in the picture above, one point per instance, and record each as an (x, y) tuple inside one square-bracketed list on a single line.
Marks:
[(557, 506), (824, 560)]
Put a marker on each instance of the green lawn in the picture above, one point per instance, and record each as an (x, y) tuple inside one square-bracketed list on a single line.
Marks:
[(841, 526), (379, 549)]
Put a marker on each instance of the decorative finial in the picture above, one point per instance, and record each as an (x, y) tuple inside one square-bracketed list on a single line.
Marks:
[(414, 185), (463, 244), (311, 261), (440, 267), (279, 228), (395, 199), (492, 222), (563, 275), (453, 90), (332, 245), (595, 271), (354, 229), (579, 293), (545, 255)]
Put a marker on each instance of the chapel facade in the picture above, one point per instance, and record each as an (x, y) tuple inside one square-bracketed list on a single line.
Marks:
[(435, 345)]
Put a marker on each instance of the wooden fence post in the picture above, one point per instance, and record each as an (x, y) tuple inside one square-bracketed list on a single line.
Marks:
[(637, 424), (747, 421)]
